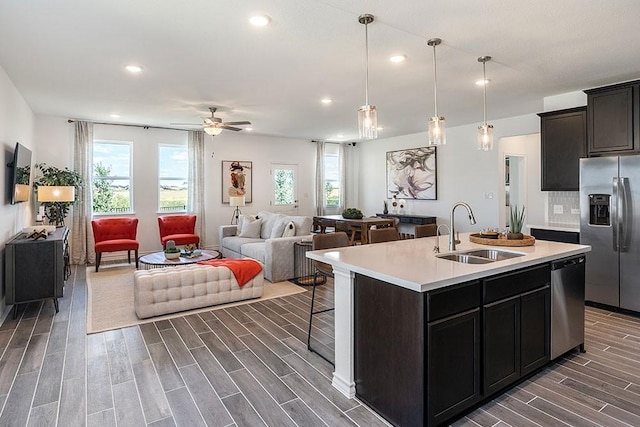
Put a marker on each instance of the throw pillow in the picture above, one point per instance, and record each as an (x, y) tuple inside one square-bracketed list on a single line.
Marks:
[(289, 230), (241, 219), (278, 228), (250, 229)]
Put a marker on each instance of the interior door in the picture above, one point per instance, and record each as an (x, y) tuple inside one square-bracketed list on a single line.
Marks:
[(284, 188)]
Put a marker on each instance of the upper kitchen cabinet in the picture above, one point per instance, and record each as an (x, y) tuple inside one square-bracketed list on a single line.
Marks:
[(564, 142), (613, 119)]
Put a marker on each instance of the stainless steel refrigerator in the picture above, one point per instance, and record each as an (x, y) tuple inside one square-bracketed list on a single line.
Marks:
[(610, 223)]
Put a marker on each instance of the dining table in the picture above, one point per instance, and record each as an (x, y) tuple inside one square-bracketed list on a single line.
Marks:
[(361, 224)]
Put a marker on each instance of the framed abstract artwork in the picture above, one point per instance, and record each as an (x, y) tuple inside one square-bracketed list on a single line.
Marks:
[(236, 180), (411, 174)]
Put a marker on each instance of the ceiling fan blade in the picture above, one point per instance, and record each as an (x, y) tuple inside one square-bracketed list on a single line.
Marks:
[(237, 123), (229, 128)]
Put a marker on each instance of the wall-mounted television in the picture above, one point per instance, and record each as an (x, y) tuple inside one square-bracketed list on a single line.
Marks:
[(20, 174)]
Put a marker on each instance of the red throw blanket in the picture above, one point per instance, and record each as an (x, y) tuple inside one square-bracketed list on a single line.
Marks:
[(243, 269)]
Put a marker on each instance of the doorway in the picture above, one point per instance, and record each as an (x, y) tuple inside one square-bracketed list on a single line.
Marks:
[(284, 188), (515, 184)]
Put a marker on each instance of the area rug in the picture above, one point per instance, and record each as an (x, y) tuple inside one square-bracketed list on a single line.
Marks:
[(110, 299)]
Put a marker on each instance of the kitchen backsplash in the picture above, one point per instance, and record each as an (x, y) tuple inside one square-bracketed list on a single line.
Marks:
[(564, 207)]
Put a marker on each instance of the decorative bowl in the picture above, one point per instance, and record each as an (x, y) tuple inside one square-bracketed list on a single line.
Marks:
[(172, 255)]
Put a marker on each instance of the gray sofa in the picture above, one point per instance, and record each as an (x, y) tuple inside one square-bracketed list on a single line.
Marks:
[(270, 248)]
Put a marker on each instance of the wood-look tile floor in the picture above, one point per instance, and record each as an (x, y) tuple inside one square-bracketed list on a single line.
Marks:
[(249, 366)]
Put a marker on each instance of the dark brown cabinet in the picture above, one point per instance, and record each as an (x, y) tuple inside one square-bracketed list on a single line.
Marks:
[(556, 235), (516, 331), (35, 269), (613, 119), (563, 142)]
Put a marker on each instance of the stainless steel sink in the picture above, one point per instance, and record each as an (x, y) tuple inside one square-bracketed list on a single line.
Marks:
[(493, 254), (465, 259), (480, 256)]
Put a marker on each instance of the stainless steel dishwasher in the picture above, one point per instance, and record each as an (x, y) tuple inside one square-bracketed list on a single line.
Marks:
[(567, 305)]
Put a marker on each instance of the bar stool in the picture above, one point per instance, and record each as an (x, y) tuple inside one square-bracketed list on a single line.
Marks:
[(323, 241)]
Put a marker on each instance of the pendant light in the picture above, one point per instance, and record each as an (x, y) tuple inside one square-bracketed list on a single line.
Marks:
[(436, 130), (367, 114), (485, 132)]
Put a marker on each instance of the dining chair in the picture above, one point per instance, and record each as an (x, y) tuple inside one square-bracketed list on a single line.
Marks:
[(425, 230), (338, 239), (379, 235), (114, 235)]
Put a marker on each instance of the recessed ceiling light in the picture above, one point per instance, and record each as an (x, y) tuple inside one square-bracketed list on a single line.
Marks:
[(398, 58), (248, 129), (380, 128), (482, 82), (259, 20), (115, 116), (340, 135), (326, 100), (134, 68)]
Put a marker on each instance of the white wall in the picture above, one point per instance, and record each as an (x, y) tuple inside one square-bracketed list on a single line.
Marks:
[(16, 125), (463, 172), (57, 136)]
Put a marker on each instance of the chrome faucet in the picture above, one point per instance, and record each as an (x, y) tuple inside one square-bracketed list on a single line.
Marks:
[(452, 230), (436, 248)]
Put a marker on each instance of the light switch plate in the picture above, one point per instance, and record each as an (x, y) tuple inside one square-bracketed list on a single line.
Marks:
[(558, 209)]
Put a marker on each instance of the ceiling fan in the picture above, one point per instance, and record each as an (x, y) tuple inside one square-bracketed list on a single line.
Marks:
[(214, 125)]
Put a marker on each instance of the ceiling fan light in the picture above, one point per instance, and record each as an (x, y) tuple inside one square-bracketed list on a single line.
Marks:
[(368, 122), (212, 130)]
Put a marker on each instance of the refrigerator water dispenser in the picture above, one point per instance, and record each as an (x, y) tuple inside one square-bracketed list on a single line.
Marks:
[(599, 213)]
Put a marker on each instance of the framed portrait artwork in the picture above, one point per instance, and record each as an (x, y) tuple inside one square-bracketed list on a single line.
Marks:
[(236, 180), (411, 174)]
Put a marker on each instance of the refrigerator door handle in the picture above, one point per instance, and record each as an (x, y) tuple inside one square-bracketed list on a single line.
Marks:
[(615, 219), (624, 214)]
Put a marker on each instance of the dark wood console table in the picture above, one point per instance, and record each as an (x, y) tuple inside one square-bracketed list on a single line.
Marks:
[(35, 269), (411, 219)]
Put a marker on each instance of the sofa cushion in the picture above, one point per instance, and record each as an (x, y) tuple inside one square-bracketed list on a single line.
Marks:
[(234, 243), (269, 221), (251, 229), (303, 224), (278, 228), (254, 250)]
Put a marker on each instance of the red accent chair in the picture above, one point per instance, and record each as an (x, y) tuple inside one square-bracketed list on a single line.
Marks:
[(179, 228), (113, 235)]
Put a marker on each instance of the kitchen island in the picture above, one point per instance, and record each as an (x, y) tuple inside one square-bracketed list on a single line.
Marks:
[(420, 339)]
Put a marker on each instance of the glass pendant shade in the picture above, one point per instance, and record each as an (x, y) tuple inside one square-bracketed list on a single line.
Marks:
[(485, 137), (436, 131), (367, 122), (485, 132), (367, 114), (436, 125)]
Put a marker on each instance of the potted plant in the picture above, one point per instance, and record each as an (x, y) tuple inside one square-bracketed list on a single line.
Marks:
[(352, 213), (516, 223), (53, 176), (171, 251)]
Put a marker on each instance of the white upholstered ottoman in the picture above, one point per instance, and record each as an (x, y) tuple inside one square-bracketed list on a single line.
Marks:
[(169, 290)]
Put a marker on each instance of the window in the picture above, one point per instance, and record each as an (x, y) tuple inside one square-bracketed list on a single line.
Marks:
[(112, 190), (173, 177), (285, 186), (332, 184)]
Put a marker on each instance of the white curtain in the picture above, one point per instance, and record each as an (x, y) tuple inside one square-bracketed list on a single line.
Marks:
[(343, 153), (195, 199), (81, 238), (320, 178)]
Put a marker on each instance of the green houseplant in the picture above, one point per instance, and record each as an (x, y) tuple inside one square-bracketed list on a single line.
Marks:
[(515, 224), (352, 213), (52, 176)]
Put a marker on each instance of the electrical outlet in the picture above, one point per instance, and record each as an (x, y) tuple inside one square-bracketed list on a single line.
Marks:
[(558, 209), (575, 211)]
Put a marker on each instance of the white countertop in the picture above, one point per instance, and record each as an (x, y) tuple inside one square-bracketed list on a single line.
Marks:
[(412, 263), (557, 226)]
